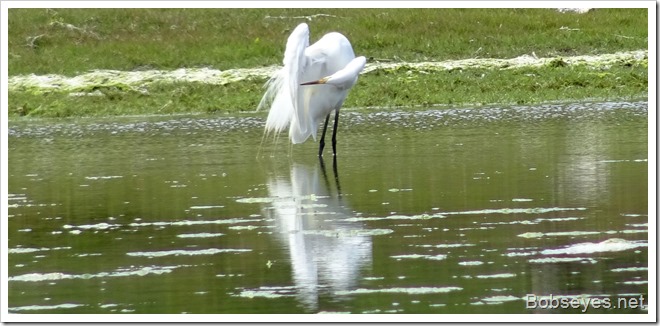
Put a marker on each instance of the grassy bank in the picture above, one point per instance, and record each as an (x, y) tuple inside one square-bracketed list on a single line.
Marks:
[(73, 41)]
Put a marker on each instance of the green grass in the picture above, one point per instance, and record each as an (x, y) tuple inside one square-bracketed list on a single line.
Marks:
[(458, 87), (512, 86), (135, 39), (128, 39)]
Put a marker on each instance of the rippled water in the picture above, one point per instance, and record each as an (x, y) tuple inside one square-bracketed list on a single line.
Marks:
[(427, 211)]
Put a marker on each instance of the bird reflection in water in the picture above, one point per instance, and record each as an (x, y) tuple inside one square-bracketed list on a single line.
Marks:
[(327, 252)]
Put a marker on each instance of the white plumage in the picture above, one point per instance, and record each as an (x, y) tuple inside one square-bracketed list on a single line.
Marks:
[(314, 81)]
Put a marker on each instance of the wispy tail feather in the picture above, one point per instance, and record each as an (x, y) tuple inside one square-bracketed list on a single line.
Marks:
[(281, 109)]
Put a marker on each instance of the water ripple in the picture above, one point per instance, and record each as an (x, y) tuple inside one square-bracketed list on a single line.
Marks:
[(122, 272), (418, 119)]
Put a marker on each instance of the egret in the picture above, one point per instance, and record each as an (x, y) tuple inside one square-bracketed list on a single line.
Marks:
[(314, 81)]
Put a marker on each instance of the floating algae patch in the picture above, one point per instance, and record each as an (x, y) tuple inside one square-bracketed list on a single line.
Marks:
[(373, 278), (520, 253), (98, 226), (199, 235), (206, 206), (189, 223), (25, 250), (499, 299), (634, 215), (395, 217), (619, 161), (90, 82), (30, 250), (609, 245), (107, 226), (230, 275), (635, 282), (629, 269), (633, 231), (211, 251), (37, 277), (255, 200), (245, 227), (104, 177), (535, 210), (268, 292), (418, 256), (558, 219), (535, 221), (446, 245), (123, 272), (349, 232), (419, 290), (398, 190), (334, 312), (51, 307), (531, 235), (550, 260), (140, 271), (503, 275), (557, 234)]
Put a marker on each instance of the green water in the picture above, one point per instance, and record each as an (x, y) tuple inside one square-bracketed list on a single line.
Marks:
[(428, 211)]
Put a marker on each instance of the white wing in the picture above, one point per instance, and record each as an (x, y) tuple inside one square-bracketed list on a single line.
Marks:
[(295, 63), (282, 88)]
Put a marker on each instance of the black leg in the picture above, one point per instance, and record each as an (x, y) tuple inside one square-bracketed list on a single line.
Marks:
[(322, 142), (334, 132)]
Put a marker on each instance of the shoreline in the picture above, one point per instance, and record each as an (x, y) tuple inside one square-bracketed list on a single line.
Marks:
[(523, 80), (77, 85)]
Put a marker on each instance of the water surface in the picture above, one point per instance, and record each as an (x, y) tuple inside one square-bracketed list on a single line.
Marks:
[(425, 211)]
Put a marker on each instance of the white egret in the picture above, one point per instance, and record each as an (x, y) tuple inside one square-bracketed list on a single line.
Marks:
[(314, 81)]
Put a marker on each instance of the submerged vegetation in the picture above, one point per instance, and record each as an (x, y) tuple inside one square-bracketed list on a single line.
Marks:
[(71, 42)]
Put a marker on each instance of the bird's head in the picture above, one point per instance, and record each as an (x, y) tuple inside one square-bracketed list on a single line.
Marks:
[(344, 78), (316, 82)]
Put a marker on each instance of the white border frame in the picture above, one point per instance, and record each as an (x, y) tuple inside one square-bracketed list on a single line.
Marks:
[(234, 318)]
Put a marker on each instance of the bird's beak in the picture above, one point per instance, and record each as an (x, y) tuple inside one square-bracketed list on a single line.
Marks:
[(316, 82)]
